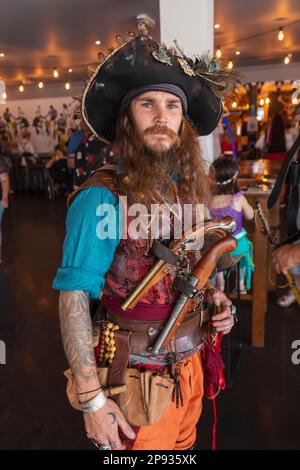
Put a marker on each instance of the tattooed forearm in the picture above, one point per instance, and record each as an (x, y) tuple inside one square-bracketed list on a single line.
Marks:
[(77, 334)]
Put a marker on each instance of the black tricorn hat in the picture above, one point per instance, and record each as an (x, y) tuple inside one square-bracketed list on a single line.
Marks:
[(139, 62)]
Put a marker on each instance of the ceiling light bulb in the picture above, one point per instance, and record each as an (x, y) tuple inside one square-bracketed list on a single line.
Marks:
[(70, 70), (267, 100), (40, 85), (67, 86), (237, 52), (21, 88), (2, 54), (55, 73), (234, 104), (295, 101), (287, 60), (230, 64), (280, 34), (261, 102), (217, 26), (98, 42)]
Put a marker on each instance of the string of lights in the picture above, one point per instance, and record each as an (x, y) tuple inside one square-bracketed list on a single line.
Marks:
[(263, 33), (56, 71), (57, 74), (280, 36)]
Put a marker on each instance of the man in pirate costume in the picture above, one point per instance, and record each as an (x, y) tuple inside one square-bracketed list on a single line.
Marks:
[(152, 103)]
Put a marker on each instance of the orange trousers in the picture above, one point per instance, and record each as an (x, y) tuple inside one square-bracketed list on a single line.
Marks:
[(176, 430)]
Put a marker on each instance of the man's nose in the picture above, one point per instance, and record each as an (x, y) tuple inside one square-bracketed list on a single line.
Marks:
[(161, 116)]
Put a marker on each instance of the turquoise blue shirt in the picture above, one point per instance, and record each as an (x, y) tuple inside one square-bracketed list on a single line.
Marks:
[(92, 236)]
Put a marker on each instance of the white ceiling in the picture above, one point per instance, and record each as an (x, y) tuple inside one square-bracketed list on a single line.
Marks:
[(37, 35)]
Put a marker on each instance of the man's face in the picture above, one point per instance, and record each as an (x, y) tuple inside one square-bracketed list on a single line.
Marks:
[(157, 117)]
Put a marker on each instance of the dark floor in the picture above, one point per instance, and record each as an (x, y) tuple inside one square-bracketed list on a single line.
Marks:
[(260, 411)]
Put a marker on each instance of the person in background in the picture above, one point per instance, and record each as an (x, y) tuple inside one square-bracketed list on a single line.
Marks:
[(244, 133), (5, 152), (58, 167), (229, 200), (291, 132), (4, 192), (59, 154), (76, 138), (28, 160), (226, 145), (276, 139), (261, 143), (26, 148), (287, 257)]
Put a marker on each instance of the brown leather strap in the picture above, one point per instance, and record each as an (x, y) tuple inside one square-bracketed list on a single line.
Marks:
[(104, 177), (142, 326), (117, 370), (140, 342), (164, 253), (143, 334)]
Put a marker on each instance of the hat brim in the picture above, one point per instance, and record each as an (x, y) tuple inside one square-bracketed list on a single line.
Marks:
[(132, 66)]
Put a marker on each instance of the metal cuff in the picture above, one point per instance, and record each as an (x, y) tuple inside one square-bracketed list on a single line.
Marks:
[(94, 404)]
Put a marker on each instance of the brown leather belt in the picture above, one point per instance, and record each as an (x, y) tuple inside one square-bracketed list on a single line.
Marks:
[(143, 334)]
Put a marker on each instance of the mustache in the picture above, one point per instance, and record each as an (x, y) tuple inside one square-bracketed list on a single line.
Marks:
[(161, 130)]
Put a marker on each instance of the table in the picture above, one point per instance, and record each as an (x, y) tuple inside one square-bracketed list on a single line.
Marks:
[(267, 167), (263, 265), (257, 187)]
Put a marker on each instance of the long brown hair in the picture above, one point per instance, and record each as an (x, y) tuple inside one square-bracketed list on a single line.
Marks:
[(178, 171)]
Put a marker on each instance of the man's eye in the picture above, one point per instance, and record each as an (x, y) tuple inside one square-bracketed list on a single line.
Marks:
[(146, 104), (172, 106)]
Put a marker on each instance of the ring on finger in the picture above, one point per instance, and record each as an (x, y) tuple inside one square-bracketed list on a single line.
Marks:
[(233, 312), (100, 445)]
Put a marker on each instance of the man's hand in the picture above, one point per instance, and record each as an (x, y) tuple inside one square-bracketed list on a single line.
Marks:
[(102, 426), (285, 257), (223, 321), (77, 334)]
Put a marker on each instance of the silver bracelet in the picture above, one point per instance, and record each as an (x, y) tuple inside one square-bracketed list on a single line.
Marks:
[(94, 404)]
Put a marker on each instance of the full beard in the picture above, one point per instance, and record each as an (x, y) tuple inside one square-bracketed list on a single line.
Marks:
[(179, 168), (162, 162)]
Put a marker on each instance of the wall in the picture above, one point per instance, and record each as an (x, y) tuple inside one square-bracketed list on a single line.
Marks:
[(44, 138)]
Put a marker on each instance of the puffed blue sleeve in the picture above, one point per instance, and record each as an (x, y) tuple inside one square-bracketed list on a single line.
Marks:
[(92, 236)]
